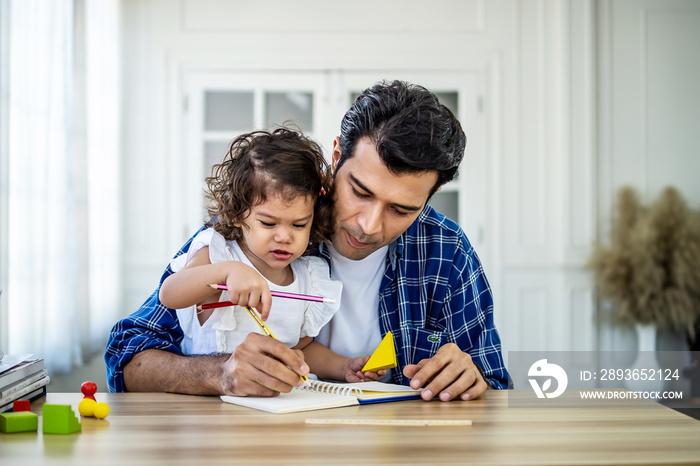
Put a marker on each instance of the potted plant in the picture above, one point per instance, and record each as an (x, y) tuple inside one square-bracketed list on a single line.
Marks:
[(650, 270)]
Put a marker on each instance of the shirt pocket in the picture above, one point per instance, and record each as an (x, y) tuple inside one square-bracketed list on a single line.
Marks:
[(426, 342)]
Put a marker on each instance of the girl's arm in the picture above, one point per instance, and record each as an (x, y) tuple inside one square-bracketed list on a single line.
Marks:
[(188, 286), (328, 365)]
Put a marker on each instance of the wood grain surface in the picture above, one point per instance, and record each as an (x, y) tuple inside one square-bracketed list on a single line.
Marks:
[(159, 428)]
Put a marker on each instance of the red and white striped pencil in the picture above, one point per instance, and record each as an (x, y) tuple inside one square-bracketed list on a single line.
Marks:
[(281, 294)]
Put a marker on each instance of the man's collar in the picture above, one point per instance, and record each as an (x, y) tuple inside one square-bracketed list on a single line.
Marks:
[(395, 251)]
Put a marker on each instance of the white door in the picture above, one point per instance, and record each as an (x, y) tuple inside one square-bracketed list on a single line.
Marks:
[(223, 104)]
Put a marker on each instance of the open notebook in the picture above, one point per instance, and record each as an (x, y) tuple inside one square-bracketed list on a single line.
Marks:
[(324, 395)]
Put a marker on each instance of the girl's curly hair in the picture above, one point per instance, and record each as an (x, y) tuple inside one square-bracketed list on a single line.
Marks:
[(259, 164)]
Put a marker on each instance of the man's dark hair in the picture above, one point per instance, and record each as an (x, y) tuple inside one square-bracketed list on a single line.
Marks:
[(411, 130)]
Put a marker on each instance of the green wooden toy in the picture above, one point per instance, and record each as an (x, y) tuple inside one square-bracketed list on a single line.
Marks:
[(21, 421), (59, 419)]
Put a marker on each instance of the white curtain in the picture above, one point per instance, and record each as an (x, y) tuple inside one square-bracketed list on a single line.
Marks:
[(63, 176)]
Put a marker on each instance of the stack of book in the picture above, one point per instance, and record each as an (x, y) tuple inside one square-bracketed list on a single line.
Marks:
[(25, 380)]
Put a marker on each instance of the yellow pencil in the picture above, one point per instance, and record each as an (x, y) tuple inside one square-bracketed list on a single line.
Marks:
[(267, 332)]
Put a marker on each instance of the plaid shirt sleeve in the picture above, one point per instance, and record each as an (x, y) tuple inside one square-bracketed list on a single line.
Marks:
[(152, 326), (435, 292), (468, 318)]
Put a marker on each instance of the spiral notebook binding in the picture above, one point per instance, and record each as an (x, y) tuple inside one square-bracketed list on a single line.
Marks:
[(331, 388)]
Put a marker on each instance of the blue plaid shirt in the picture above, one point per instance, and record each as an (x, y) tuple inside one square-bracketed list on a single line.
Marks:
[(434, 291)]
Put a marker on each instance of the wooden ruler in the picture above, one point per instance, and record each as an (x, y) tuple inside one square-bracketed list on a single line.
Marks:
[(391, 422)]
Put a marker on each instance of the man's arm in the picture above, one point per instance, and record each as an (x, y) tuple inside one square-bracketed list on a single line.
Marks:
[(143, 354), (258, 366), (152, 326), (471, 362), (155, 370)]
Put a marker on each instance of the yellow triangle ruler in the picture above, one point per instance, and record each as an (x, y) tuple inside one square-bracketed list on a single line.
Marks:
[(384, 357)]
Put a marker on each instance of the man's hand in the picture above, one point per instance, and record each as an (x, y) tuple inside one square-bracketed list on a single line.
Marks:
[(450, 373), (262, 366), (353, 370)]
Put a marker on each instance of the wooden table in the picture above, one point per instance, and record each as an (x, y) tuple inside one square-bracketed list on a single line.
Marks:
[(151, 428)]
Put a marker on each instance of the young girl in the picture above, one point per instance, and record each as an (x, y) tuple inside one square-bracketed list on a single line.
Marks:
[(268, 201)]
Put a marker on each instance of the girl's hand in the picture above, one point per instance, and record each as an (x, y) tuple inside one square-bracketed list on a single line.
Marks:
[(248, 288), (353, 370)]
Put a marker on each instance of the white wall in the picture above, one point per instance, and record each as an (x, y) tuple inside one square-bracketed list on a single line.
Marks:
[(547, 149)]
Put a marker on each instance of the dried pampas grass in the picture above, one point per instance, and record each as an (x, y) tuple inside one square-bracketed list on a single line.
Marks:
[(650, 271)]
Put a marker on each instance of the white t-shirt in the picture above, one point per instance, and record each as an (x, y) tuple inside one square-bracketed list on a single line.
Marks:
[(289, 319), (354, 329)]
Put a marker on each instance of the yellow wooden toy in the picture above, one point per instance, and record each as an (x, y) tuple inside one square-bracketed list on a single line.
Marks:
[(384, 357), (101, 410), (87, 407)]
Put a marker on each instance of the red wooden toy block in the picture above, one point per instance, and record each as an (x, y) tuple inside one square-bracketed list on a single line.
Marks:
[(20, 405)]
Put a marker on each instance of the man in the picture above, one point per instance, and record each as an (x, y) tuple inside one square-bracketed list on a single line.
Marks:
[(404, 267)]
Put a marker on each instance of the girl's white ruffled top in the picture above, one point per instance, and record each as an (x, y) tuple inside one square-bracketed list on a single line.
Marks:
[(289, 319)]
